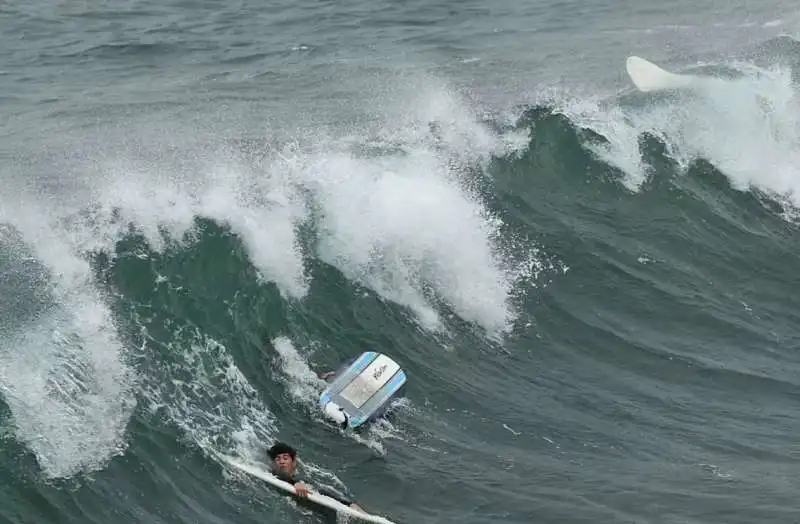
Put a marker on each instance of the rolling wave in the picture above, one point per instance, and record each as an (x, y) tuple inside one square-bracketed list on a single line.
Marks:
[(598, 283)]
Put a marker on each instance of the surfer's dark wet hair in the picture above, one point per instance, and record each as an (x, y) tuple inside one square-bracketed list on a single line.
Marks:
[(279, 448)]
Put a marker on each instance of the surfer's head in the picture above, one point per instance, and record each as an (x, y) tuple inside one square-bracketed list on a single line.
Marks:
[(283, 455)]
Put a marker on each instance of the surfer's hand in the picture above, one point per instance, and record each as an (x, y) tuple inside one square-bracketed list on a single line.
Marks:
[(301, 490)]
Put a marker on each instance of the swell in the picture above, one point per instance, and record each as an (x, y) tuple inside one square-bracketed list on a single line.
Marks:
[(667, 340)]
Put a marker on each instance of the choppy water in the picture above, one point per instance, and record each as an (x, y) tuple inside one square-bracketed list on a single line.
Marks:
[(594, 291)]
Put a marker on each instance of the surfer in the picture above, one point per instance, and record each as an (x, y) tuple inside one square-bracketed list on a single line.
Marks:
[(284, 466)]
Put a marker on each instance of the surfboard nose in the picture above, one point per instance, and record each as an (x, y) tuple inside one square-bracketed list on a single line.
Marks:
[(647, 76)]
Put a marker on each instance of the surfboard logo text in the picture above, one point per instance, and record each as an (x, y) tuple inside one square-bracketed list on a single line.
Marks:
[(378, 372)]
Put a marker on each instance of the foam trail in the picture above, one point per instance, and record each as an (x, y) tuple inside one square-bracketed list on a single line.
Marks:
[(748, 127), (162, 210), (186, 376), (396, 226), (304, 385), (62, 370), (406, 219), (400, 224), (265, 214), (622, 149), (193, 380)]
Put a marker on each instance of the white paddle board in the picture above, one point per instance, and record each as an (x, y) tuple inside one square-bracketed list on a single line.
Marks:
[(312, 496), (647, 76)]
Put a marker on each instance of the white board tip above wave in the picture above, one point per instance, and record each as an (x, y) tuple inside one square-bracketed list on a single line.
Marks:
[(648, 77)]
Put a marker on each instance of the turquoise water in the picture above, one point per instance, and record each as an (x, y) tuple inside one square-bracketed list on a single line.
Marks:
[(591, 289)]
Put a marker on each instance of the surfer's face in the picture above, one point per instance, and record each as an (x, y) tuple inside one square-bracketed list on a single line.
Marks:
[(284, 461)]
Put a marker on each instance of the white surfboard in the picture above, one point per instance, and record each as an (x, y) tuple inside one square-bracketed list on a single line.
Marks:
[(314, 497), (647, 76)]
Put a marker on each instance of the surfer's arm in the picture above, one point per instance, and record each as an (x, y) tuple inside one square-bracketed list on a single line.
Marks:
[(301, 489), (335, 495), (300, 486)]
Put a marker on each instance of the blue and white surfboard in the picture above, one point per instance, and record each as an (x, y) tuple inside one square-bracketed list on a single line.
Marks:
[(363, 391)]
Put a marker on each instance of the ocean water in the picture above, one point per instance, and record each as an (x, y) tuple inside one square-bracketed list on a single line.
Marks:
[(594, 291)]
